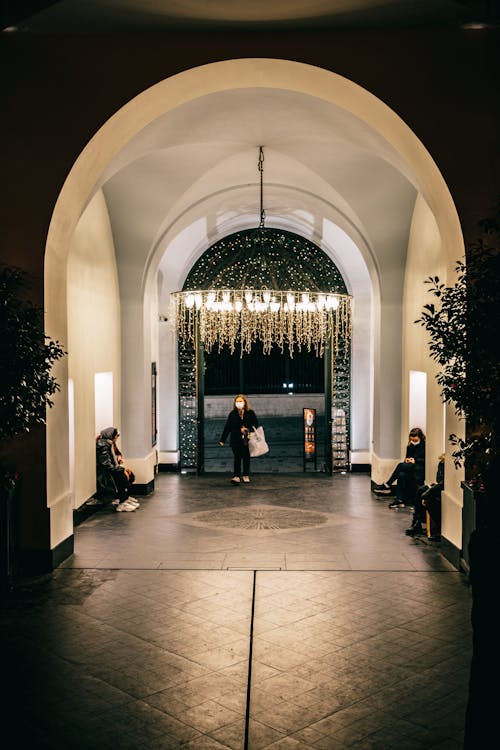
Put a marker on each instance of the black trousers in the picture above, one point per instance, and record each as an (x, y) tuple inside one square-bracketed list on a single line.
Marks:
[(433, 505), (112, 484), (241, 456), (406, 488), (432, 496)]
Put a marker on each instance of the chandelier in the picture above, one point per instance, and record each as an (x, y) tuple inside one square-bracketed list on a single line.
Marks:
[(284, 317)]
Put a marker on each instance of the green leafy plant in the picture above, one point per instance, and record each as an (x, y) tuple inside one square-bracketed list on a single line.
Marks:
[(465, 341), (26, 382)]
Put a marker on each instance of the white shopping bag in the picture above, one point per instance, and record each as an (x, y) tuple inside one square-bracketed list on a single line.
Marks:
[(257, 445)]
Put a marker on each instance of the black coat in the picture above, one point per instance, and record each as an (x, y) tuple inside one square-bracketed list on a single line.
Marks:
[(233, 426), (107, 466), (417, 452)]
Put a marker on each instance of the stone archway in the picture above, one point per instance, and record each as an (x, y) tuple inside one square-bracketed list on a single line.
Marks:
[(103, 151)]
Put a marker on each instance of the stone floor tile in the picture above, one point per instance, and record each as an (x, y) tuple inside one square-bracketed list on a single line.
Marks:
[(260, 736), (166, 644), (208, 716)]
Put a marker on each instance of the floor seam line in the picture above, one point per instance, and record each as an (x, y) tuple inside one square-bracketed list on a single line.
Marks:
[(250, 656)]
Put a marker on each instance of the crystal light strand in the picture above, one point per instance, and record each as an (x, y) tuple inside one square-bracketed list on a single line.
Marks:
[(242, 317)]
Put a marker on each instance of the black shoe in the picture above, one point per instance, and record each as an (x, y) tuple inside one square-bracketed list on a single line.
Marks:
[(415, 530), (382, 489), (434, 538), (396, 504)]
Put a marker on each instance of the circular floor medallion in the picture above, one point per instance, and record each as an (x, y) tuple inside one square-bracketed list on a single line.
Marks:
[(265, 518)]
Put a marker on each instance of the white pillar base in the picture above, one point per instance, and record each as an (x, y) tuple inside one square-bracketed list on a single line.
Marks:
[(382, 468)]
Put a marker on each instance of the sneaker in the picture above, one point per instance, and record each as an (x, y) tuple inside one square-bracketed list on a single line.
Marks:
[(396, 504), (246, 479), (382, 489), (235, 480), (122, 507), (133, 501), (93, 501)]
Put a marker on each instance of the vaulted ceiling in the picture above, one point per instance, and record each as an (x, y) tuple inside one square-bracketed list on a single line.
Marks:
[(158, 15), (199, 163)]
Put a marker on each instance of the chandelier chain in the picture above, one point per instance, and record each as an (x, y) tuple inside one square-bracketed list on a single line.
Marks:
[(261, 170)]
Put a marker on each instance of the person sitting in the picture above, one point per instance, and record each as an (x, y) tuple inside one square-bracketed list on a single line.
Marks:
[(428, 498), (112, 478), (408, 474)]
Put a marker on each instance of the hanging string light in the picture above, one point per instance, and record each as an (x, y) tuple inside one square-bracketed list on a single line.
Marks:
[(294, 319)]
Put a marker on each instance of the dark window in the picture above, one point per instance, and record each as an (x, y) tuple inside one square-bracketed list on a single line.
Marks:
[(277, 372)]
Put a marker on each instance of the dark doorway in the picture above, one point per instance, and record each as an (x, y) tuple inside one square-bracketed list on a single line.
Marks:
[(257, 375), (270, 259)]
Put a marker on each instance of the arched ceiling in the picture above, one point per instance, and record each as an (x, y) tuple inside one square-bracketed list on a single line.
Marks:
[(199, 163), (157, 15)]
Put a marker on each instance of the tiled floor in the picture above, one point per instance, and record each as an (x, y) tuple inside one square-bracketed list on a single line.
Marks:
[(291, 613)]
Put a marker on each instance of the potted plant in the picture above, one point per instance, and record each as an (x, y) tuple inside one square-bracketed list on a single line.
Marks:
[(26, 390), (465, 341)]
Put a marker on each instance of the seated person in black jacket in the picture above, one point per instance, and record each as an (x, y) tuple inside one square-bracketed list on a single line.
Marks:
[(112, 478), (429, 498), (409, 474)]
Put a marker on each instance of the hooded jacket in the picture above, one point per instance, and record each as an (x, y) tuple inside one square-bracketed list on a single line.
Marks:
[(107, 454)]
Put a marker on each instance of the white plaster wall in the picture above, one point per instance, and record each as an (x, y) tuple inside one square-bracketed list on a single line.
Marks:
[(426, 258), (93, 333)]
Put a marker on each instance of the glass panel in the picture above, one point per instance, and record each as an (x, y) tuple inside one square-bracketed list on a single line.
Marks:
[(341, 400), (188, 427)]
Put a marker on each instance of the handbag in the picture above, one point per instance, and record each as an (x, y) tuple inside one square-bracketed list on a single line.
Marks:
[(257, 445)]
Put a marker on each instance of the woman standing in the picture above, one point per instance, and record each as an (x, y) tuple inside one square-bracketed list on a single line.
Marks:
[(240, 422)]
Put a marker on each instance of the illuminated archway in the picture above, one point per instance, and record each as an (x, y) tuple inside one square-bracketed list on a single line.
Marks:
[(102, 155)]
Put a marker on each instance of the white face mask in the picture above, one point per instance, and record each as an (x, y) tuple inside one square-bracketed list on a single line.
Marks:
[(415, 441), (240, 404)]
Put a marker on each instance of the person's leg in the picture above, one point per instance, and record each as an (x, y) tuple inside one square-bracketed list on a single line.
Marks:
[(245, 453), (405, 487), (386, 487), (236, 464), (401, 467), (433, 505), (122, 485), (418, 513), (125, 502)]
